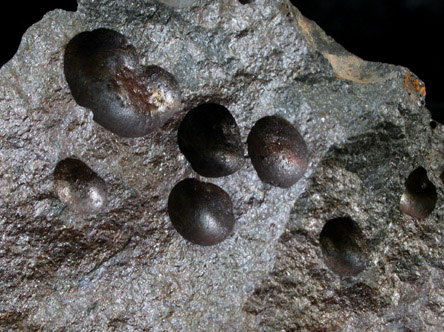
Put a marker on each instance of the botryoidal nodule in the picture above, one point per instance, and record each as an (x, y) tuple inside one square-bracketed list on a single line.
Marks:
[(277, 151), (79, 187), (201, 212), (210, 140), (104, 75)]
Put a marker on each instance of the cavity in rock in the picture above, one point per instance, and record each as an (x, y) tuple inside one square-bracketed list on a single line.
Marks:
[(201, 212), (277, 151), (79, 187), (210, 140), (343, 246), (419, 198), (103, 72)]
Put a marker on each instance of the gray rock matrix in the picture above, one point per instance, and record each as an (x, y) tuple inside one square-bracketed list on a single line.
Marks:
[(127, 269)]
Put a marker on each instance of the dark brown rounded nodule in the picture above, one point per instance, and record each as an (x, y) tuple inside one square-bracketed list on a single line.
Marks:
[(244, 2), (201, 212), (103, 73), (419, 198), (80, 188), (277, 151), (210, 140), (343, 247)]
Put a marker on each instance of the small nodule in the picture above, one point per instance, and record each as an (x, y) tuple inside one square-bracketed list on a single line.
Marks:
[(201, 212), (210, 140), (419, 198), (79, 187), (244, 2), (104, 75), (277, 151), (343, 246)]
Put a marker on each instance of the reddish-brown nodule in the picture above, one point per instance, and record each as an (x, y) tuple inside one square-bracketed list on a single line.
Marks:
[(277, 151), (104, 74)]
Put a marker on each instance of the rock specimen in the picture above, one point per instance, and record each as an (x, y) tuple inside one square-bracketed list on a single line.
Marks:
[(127, 269)]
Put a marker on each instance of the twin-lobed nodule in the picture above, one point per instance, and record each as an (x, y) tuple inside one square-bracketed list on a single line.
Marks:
[(104, 74)]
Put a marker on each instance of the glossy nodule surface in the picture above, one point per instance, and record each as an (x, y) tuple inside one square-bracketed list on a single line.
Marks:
[(343, 246), (103, 73), (419, 198), (201, 212), (210, 140), (277, 151), (79, 187)]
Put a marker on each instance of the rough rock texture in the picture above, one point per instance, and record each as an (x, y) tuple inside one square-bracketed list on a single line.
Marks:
[(127, 269)]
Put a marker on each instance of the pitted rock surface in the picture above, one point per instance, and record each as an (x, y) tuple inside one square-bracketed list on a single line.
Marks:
[(127, 269)]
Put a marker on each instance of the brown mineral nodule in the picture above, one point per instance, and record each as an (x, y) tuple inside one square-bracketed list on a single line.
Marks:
[(419, 198), (79, 187), (103, 72), (343, 246), (277, 151), (201, 212), (210, 140)]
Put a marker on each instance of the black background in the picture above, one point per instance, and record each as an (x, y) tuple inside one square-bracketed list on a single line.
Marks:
[(402, 32)]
